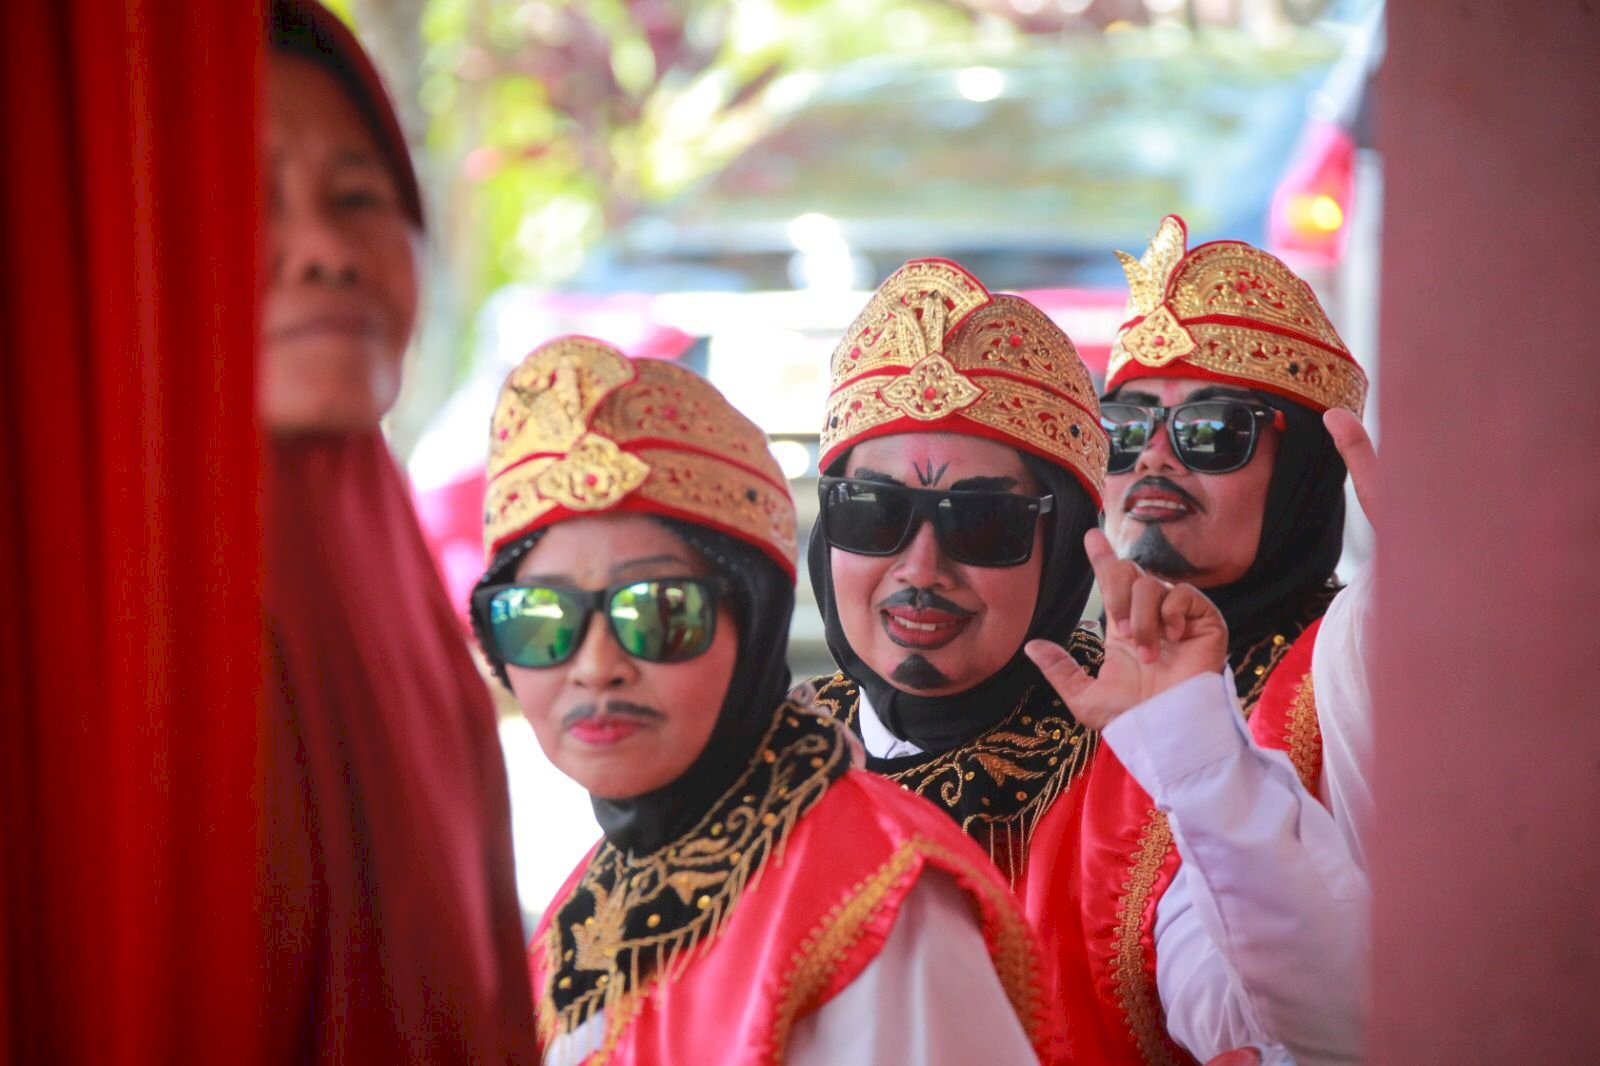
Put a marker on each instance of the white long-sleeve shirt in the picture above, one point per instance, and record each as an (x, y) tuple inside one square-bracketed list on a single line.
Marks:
[(1344, 709), (1261, 938)]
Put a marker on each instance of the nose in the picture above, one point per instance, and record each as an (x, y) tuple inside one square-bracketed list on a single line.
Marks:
[(600, 664), (1157, 457), (309, 246), (922, 564)]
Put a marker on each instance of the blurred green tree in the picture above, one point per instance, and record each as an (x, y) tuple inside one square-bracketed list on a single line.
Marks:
[(542, 123)]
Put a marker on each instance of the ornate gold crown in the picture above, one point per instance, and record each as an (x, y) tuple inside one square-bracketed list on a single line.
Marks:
[(933, 351), (581, 429), (1229, 312)]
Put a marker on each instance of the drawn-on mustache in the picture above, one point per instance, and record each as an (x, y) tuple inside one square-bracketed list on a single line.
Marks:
[(1165, 485), (621, 708), (922, 599)]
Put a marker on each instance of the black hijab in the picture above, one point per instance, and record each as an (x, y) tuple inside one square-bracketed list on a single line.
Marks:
[(939, 723), (763, 600), (1302, 530)]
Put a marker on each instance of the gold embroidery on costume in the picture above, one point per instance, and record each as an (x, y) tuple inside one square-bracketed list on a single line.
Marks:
[(931, 389), (721, 493), (1022, 412), (1141, 1008), (998, 785), (1012, 335), (908, 318), (1234, 279), (1284, 364), (631, 921), (933, 344), (1304, 734), (1158, 339), (593, 476), (825, 947), (548, 400), (1043, 423), (1147, 275), (578, 426), (1235, 311)]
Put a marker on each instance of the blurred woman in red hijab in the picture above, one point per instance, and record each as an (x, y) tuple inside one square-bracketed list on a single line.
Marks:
[(394, 932)]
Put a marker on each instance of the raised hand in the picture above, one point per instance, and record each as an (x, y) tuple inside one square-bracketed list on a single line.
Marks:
[(1355, 448), (1157, 635)]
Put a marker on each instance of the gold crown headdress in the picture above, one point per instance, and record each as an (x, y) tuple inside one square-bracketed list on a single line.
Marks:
[(1227, 311), (581, 429), (935, 352)]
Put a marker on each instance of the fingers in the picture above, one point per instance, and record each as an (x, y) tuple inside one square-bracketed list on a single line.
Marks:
[(1060, 669), (1183, 605), (1194, 628), (1175, 611), (1145, 616), (1114, 576), (1360, 458), (1132, 598)]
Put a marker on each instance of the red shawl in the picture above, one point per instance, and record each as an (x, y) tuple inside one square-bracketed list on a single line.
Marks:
[(394, 929)]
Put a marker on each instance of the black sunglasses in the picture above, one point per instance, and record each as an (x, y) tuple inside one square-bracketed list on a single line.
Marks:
[(661, 620), (1207, 436), (975, 528)]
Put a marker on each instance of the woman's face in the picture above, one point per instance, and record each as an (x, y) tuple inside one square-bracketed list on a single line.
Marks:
[(923, 622), (618, 725), (341, 282)]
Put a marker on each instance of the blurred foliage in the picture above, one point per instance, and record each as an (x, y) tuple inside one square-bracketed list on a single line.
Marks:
[(544, 123), (550, 121)]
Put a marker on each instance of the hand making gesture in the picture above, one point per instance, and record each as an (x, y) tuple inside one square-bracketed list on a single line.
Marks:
[(1355, 448), (1157, 635)]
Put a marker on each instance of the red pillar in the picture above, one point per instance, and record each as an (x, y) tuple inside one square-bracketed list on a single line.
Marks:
[(1486, 866), (130, 617)]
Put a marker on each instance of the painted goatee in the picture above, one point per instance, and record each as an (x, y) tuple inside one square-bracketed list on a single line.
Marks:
[(915, 672), (1155, 553)]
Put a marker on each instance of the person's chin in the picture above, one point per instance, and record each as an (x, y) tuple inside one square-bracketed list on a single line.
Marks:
[(346, 403), (344, 416), (615, 782), (937, 675)]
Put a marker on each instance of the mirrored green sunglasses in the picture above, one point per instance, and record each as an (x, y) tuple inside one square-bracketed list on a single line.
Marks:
[(660, 620)]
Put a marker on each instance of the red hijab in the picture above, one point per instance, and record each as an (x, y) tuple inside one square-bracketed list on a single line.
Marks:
[(394, 931)]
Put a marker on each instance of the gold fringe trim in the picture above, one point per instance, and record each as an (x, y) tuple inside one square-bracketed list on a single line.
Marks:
[(1140, 1007), (1304, 734)]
